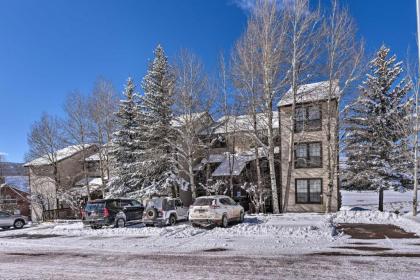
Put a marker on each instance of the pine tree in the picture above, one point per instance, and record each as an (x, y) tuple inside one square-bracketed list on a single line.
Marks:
[(127, 149), (156, 116), (377, 128)]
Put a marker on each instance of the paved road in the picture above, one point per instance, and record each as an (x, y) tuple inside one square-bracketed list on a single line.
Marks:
[(18, 263)]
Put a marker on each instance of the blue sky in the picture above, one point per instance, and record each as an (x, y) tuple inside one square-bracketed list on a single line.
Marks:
[(49, 48)]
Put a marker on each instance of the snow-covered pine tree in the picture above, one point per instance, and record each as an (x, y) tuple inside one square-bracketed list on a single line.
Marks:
[(156, 117), (126, 147), (377, 128)]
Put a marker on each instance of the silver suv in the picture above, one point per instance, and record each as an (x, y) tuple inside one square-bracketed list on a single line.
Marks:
[(8, 220), (161, 211)]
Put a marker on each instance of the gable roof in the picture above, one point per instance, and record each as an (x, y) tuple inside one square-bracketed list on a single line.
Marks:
[(310, 93), (235, 163), (227, 124), (59, 155), (179, 121)]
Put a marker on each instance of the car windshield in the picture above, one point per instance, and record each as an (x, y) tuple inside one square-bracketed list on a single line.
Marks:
[(92, 206), (204, 202)]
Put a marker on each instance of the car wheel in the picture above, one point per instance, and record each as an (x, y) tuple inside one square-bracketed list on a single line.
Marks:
[(18, 224), (172, 220), (225, 221), (120, 223), (242, 217)]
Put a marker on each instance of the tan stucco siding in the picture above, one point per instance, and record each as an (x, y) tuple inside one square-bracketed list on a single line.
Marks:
[(307, 173)]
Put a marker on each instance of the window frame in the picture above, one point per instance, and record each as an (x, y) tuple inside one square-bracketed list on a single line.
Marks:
[(308, 155), (308, 191), (305, 123)]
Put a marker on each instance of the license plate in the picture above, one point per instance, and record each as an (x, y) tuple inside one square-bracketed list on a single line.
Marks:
[(201, 210)]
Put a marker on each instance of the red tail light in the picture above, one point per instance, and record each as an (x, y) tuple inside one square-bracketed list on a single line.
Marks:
[(106, 213)]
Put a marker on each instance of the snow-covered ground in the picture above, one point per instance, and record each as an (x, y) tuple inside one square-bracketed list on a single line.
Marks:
[(393, 200), (288, 246)]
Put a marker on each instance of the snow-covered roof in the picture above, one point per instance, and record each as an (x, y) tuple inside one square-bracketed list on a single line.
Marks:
[(228, 124), (310, 93), (59, 155), (183, 119), (239, 162), (213, 158), (82, 190), (93, 181), (232, 165), (94, 157)]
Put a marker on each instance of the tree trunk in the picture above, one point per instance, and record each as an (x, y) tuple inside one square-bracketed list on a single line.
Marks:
[(257, 166), (101, 168), (289, 165), (416, 143), (381, 199), (192, 181), (329, 158), (273, 181), (85, 172)]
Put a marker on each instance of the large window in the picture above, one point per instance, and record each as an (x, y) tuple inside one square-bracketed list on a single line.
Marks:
[(308, 190), (308, 118), (308, 155)]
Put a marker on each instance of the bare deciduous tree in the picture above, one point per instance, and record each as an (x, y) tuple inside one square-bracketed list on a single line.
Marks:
[(193, 102), (44, 140), (103, 104), (344, 53), (265, 31), (303, 36), (78, 128), (246, 71)]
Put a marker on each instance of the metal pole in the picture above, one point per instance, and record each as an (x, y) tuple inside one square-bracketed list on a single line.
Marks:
[(416, 119)]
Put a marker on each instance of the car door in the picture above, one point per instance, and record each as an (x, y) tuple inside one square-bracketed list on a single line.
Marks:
[(236, 209), (181, 211), (6, 219), (228, 207), (137, 209), (127, 209)]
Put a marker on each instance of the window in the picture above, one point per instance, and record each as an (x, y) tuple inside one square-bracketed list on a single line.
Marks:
[(135, 203), (308, 190), (4, 215), (225, 201), (308, 155), (308, 118), (178, 203), (125, 203)]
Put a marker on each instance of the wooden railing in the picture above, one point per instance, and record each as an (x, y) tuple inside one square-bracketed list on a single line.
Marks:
[(63, 213)]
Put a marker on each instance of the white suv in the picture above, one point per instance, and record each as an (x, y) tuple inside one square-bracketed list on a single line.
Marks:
[(215, 210), (162, 211)]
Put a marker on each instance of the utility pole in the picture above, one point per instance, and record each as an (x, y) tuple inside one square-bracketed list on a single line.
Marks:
[(417, 118)]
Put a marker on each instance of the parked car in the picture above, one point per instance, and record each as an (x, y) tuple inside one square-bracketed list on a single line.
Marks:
[(8, 220), (164, 211), (215, 210), (112, 212)]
